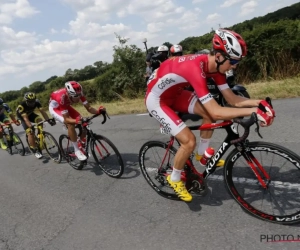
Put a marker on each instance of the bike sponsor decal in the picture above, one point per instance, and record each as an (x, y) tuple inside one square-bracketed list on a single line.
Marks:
[(162, 121), (297, 163), (216, 157), (165, 82), (295, 217)]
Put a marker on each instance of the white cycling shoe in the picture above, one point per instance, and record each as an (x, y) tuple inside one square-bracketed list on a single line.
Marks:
[(80, 155), (38, 155)]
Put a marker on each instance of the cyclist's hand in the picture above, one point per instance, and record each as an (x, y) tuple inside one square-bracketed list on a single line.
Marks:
[(265, 113), (78, 120), (52, 121), (101, 109)]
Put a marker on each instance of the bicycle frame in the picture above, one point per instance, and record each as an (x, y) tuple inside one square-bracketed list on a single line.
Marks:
[(232, 138)]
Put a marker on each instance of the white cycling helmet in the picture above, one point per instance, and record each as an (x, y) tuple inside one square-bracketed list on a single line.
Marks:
[(176, 48), (229, 42), (73, 88), (163, 48)]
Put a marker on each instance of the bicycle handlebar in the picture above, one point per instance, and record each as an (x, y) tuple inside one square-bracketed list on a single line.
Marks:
[(88, 119), (246, 124)]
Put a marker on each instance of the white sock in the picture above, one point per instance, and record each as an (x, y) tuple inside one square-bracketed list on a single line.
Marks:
[(176, 175), (75, 145), (203, 145)]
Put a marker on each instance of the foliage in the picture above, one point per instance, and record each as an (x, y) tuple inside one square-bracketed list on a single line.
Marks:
[(273, 53)]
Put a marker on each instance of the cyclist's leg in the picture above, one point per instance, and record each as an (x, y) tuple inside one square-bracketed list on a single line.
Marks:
[(3, 118), (33, 118), (168, 118), (73, 114), (193, 106)]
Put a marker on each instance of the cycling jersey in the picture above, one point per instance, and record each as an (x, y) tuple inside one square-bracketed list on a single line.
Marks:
[(166, 89), (177, 73), (60, 104), (24, 109)]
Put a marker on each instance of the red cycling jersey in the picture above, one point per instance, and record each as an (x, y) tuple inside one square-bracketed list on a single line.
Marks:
[(176, 73), (59, 100)]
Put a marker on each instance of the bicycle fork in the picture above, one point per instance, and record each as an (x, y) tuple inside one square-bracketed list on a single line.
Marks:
[(257, 168)]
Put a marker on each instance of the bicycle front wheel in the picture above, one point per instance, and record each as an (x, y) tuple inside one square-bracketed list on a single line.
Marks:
[(52, 147), (156, 163), (107, 156), (278, 201), (17, 144)]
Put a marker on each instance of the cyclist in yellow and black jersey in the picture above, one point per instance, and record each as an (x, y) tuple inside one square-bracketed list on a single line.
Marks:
[(25, 112)]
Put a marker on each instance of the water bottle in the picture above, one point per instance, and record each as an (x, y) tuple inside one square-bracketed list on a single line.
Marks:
[(209, 152)]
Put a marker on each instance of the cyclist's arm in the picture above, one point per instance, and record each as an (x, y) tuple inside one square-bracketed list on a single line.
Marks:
[(238, 101), (44, 114), (90, 109), (26, 119), (68, 119), (12, 117)]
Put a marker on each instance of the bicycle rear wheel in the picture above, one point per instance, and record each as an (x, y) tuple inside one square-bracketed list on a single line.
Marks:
[(107, 156), (68, 153), (279, 201), (156, 163), (52, 147)]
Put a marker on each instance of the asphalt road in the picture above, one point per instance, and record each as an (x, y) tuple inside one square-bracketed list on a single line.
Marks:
[(54, 207)]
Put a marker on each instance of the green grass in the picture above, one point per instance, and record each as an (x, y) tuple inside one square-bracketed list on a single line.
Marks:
[(275, 89)]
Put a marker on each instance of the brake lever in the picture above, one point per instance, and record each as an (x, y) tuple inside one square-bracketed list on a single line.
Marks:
[(257, 129)]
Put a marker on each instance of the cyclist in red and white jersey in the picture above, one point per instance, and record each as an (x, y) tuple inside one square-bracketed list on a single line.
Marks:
[(60, 108), (166, 95)]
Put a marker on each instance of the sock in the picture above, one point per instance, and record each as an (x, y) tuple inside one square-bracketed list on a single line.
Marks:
[(75, 145), (176, 175), (203, 145)]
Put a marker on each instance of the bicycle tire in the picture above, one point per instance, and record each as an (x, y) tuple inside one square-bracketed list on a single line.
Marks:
[(22, 151), (272, 150), (72, 161), (55, 159), (160, 177), (120, 164)]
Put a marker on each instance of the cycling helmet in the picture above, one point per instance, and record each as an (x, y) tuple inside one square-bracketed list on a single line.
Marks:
[(163, 48), (30, 96), (176, 49), (1, 101), (73, 88), (230, 43)]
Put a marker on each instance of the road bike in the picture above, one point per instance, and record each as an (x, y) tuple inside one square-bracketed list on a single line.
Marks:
[(105, 153), (45, 140), (13, 140), (262, 177)]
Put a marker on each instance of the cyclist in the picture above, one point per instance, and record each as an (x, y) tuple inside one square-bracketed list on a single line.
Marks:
[(166, 94), (60, 108), (25, 112), (5, 109), (154, 60), (176, 50)]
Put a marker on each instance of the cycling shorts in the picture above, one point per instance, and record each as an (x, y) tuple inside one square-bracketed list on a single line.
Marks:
[(164, 110), (57, 115)]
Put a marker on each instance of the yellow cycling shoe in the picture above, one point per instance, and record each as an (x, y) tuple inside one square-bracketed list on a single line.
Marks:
[(3, 146), (220, 163), (16, 140), (180, 189)]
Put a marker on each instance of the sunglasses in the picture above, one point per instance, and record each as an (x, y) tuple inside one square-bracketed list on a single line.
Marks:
[(232, 61)]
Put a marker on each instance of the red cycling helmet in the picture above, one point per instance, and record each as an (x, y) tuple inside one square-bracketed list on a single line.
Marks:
[(73, 88), (229, 42)]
